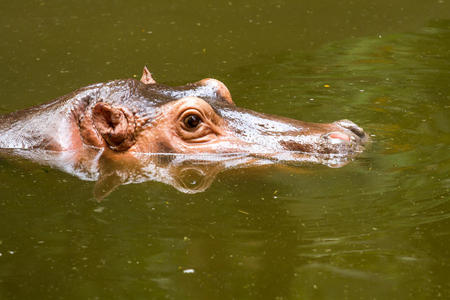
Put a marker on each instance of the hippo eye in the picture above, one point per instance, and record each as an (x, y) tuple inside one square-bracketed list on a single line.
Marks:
[(192, 121)]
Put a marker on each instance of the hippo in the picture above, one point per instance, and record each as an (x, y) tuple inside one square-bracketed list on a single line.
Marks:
[(130, 121)]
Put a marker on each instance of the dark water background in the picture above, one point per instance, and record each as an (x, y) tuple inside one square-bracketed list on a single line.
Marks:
[(377, 228)]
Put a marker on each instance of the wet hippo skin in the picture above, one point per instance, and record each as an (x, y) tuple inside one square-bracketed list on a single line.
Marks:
[(144, 116), (125, 119)]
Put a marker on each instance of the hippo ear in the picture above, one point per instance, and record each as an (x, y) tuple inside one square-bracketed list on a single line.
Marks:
[(147, 77), (215, 89), (115, 125)]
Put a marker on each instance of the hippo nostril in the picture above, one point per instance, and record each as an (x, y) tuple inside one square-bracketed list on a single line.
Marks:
[(338, 137), (349, 125)]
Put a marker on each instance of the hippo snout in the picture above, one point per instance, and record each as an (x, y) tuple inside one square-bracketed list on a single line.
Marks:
[(349, 125), (344, 137)]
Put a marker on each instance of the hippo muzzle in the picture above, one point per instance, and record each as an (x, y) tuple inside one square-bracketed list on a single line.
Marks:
[(266, 134)]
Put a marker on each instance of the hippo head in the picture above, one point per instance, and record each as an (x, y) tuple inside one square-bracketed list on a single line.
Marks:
[(201, 118)]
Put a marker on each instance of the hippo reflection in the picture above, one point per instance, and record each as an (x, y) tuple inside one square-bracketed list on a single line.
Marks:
[(127, 122)]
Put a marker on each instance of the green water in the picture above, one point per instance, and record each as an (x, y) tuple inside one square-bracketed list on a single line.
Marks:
[(377, 228)]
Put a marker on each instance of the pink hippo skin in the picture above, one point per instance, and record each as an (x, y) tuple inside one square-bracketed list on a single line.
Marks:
[(123, 121)]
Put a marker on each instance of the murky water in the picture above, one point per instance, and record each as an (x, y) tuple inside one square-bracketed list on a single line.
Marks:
[(377, 228)]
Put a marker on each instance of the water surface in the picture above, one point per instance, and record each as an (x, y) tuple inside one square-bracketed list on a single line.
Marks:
[(377, 228)]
